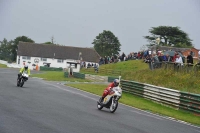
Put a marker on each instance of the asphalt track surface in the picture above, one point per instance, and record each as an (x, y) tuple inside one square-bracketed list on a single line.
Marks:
[(48, 107)]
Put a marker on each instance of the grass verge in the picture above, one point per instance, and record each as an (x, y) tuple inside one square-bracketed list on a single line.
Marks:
[(57, 76), (143, 104), (3, 66)]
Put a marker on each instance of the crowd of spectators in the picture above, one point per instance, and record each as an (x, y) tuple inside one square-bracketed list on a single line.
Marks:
[(154, 59), (119, 58)]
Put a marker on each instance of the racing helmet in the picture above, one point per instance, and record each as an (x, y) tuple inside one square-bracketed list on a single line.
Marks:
[(116, 82), (26, 67)]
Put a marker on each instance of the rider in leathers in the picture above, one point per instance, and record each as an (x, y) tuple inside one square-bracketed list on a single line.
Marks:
[(24, 69), (115, 83)]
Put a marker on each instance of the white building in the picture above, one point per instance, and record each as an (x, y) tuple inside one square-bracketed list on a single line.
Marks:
[(56, 56)]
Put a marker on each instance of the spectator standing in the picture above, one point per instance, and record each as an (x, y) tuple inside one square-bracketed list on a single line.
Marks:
[(148, 60), (189, 61), (198, 58), (122, 56), (179, 61), (155, 61), (175, 56)]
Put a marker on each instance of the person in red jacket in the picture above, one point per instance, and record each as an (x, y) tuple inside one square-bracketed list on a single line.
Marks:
[(115, 83), (175, 56)]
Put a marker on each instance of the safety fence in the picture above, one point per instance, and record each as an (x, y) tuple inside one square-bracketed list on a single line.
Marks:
[(175, 98), (177, 67), (3, 62), (189, 101), (12, 65), (44, 68), (104, 71), (95, 78)]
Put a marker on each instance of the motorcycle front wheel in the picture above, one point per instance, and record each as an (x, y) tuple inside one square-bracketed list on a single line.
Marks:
[(114, 106), (22, 83), (18, 83)]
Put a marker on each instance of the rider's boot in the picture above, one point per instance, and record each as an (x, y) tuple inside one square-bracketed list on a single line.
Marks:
[(102, 98)]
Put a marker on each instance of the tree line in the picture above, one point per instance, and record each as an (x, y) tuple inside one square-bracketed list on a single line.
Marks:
[(106, 43), (8, 49)]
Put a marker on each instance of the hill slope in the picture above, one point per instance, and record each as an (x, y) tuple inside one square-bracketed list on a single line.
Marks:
[(137, 70)]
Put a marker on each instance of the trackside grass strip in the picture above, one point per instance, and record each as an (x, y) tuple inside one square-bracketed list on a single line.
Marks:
[(3, 66), (56, 76)]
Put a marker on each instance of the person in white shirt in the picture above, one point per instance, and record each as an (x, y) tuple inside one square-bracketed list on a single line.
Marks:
[(179, 61)]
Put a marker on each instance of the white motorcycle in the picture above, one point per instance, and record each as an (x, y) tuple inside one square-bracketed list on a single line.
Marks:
[(22, 79), (111, 100)]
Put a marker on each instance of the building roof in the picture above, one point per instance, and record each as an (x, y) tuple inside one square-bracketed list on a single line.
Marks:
[(57, 52)]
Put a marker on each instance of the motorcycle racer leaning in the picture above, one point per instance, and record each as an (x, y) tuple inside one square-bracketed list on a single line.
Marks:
[(115, 83), (24, 69)]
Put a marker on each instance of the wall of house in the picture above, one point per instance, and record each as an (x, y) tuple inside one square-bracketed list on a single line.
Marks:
[(30, 61), (195, 51)]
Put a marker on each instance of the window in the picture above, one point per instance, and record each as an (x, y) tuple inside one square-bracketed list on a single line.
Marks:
[(26, 58), (43, 59), (60, 61)]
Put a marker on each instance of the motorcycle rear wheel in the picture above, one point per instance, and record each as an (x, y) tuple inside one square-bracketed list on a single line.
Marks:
[(99, 104)]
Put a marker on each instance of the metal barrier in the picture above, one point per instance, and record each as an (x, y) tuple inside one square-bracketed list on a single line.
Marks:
[(133, 87), (105, 71), (66, 74), (190, 101), (175, 98), (111, 79), (3, 62), (96, 78), (43, 68), (177, 67), (79, 75), (162, 95)]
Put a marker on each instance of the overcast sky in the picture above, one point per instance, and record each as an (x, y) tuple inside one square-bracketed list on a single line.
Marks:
[(78, 22)]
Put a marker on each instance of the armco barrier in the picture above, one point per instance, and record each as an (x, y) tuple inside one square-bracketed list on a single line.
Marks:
[(175, 98), (3, 62), (133, 87), (42, 68), (155, 93), (111, 79), (190, 101), (66, 74), (96, 78), (79, 75), (162, 95)]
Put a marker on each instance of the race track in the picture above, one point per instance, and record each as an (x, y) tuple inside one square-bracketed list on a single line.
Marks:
[(48, 107)]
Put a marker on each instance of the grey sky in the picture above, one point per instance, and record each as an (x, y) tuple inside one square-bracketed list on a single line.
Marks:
[(78, 22)]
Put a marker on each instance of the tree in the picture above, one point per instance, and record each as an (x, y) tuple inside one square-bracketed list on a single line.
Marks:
[(14, 46), (5, 52), (169, 36), (106, 44)]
